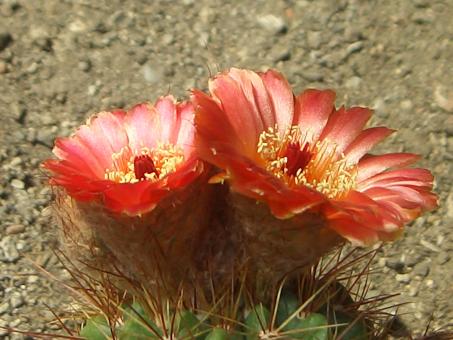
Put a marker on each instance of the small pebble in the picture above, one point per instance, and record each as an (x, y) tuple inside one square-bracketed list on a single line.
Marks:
[(151, 75), (92, 90), (17, 184), (5, 39), (403, 278), (396, 265), (3, 67), (430, 284), (421, 269), (314, 39), (281, 55), (413, 291), (406, 105), (430, 246), (33, 279), (16, 300), (4, 307), (353, 82), (354, 47), (3, 328), (274, 24), (9, 250), (311, 75), (14, 229), (84, 65), (443, 258), (444, 98)]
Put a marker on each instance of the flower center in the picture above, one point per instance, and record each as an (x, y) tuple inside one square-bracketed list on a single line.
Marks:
[(144, 164), (297, 162), (296, 157)]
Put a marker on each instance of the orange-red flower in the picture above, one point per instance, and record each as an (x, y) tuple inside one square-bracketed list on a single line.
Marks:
[(130, 160), (300, 153)]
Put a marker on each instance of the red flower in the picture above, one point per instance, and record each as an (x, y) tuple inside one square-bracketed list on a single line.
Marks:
[(300, 154), (129, 160)]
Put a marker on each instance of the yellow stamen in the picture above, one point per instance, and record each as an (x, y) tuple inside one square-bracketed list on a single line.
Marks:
[(326, 170), (166, 158)]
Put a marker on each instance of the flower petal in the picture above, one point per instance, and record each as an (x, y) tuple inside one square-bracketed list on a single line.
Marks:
[(358, 234), (79, 156), (215, 134), (364, 142), (104, 135), (252, 181), (373, 165), (281, 97), (412, 176), (168, 117), (257, 96), (186, 135), (312, 110), (238, 110), (345, 125), (141, 197), (143, 127)]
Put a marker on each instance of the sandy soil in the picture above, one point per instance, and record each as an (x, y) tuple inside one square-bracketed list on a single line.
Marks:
[(62, 60)]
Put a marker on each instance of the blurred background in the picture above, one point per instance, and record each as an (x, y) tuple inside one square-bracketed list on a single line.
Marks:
[(62, 60)]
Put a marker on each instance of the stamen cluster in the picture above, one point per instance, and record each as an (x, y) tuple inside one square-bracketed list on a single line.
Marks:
[(291, 158), (163, 159)]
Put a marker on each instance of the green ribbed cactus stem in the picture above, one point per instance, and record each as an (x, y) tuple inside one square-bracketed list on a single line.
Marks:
[(222, 334), (257, 322)]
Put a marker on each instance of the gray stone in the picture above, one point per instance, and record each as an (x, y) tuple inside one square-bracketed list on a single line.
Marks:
[(4, 328), (19, 111), (353, 82), (45, 136), (444, 98), (273, 24), (281, 55), (32, 68), (3, 67), (93, 89), (33, 279), (412, 259), (314, 39), (443, 258), (413, 291), (16, 300), (14, 229), (396, 265), (312, 75), (406, 105), (430, 246), (354, 47), (421, 269), (380, 107), (449, 126), (4, 307), (5, 39), (151, 74), (84, 65), (44, 43), (403, 278), (8, 248), (422, 18), (17, 184), (168, 39)]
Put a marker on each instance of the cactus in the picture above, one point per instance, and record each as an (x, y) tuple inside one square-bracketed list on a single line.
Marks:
[(219, 218), (258, 322)]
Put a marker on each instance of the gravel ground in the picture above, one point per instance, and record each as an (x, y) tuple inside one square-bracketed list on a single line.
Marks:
[(62, 60)]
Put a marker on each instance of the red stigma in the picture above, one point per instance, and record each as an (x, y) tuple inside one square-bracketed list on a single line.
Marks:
[(143, 164), (297, 158)]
